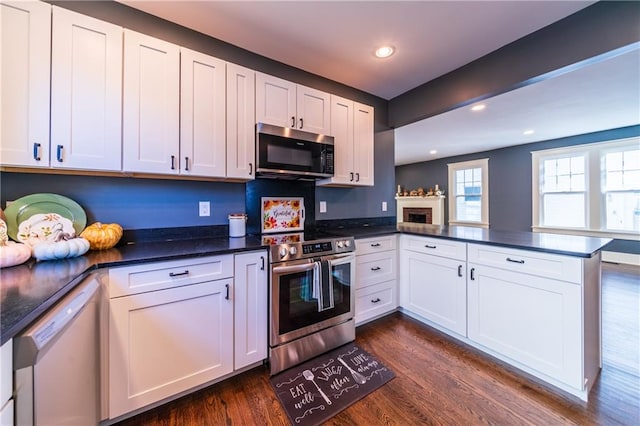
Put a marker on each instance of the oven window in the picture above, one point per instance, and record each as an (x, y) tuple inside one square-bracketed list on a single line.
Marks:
[(300, 301)]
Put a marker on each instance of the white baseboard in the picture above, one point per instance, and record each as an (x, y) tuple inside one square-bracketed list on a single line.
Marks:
[(626, 258)]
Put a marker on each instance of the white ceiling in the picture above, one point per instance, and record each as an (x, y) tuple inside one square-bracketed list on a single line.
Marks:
[(336, 40)]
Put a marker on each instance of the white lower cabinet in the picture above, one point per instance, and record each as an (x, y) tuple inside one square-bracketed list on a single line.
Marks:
[(165, 342), (376, 277), (251, 302), (533, 320), (435, 288), (178, 325)]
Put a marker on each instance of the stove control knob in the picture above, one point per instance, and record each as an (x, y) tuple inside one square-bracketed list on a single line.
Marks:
[(347, 243), (293, 250), (340, 244), (283, 252)]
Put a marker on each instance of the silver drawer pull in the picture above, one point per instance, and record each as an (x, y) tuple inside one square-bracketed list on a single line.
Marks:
[(521, 261), (428, 246), (179, 274), (376, 300), (375, 268)]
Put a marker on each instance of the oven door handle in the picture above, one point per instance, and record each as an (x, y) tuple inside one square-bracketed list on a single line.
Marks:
[(293, 268)]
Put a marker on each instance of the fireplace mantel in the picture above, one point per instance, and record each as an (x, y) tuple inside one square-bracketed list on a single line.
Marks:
[(411, 204)]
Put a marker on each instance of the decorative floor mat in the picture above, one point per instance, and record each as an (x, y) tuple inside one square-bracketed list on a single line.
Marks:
[(317, 390)]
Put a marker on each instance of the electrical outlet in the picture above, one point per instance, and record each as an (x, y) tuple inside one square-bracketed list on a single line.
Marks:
[(384, 206), (204, 208), (323, 206)]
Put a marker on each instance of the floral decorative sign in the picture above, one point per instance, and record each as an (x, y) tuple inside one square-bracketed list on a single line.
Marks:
[(282, 214)]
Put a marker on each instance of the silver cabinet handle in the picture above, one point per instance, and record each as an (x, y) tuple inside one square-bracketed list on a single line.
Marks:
[(59, 153), (520, 261), (36, 151), (179, 274)]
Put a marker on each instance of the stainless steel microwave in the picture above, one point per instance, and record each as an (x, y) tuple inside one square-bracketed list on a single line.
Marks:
[(294, 154)]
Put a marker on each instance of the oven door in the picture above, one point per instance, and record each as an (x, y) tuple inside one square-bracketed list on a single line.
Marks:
[(310, 295)]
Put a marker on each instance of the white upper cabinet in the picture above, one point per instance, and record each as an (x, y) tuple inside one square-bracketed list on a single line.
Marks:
[(151, 105), (202, 113), (86, 82), (25, 34), (286, 104), (352, 129), (241, 136)]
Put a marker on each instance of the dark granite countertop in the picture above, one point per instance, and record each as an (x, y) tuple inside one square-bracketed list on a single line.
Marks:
[(30, 289), (568, 245)]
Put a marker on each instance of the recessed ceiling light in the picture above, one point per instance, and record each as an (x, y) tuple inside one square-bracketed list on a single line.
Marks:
[(384, 51), (478, 107), (528, 132), (433, 151)]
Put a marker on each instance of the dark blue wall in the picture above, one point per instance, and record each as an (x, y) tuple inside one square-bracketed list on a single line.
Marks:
[(510, 183)]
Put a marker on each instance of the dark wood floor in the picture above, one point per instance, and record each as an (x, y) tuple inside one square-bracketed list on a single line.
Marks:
[(440, 381)]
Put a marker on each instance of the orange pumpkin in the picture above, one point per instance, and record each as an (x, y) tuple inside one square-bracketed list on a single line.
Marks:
[(102, 236)]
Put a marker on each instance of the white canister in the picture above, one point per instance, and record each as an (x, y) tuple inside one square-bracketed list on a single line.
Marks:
[(237, 224)]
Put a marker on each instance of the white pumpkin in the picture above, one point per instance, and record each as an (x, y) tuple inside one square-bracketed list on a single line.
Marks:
[(12, 253), (61, 249)]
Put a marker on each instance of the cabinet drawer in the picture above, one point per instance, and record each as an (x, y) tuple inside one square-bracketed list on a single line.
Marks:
[(375, 268), (435, 246), (375, 300), (374, 245), (160, 275), (546, 265)]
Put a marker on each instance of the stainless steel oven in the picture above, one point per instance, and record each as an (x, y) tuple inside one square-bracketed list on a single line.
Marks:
[(312, 299)]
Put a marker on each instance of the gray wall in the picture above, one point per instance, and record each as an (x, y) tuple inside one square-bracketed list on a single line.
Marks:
[(509, 178), (595, 30), (158, 203)]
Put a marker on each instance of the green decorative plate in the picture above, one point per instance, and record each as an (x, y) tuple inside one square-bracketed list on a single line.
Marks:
[(25, 207)]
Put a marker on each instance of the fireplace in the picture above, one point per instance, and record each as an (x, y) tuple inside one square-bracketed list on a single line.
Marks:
[(429, 210), (417, 214)]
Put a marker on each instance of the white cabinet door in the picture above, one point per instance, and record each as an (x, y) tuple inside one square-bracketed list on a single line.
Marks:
[(202, 115), (363, 144), (25, 37), (313, 109), (6, 382), (286, 104), (533, 320), (275, 101), (352, 129), (250, 303), (151, 106), (241, 130), (165, 342), (86, 87), (435, 288), (342, 131)]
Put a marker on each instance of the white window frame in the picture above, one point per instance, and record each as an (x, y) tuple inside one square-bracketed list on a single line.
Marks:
[(595, 200), (483, 165)]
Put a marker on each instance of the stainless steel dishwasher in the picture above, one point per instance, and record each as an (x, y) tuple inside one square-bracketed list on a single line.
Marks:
[(56, 362)]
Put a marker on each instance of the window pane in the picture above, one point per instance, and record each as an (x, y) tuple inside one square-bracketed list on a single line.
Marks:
[(632, 160), (564, 210), (614, 161), (563, 166), (632, 179), (468, 208), (577, 165), (623, 211), (459, 175), (614, 181), (477, 175)]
